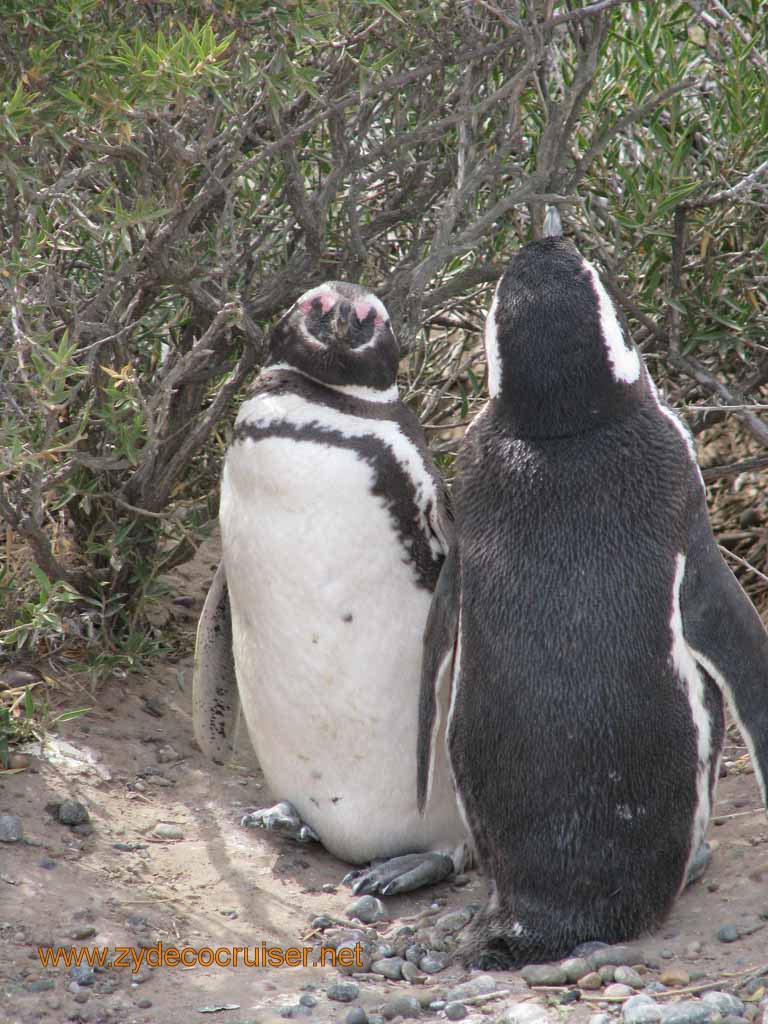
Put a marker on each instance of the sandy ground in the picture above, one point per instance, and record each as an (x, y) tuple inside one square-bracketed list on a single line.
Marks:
[(222, 886)]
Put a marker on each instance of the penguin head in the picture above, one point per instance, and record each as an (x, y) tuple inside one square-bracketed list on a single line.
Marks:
[(338, 334), (560, 358)]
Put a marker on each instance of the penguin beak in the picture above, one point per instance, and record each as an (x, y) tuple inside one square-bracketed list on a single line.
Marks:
[(342, 315)]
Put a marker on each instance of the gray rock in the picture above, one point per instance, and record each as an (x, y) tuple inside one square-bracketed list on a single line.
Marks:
[(591, 982), (479, 986), (85, 931), (356, 1015), (72, 812), (42, 985), (455, 920), (11, 829), (368, 910), (401, 1006), (83, 975), (455, 1011), (575, 967), (525, 1013), (656, 986), (412, 974), (381, 950), (606, 974), (687, 1011), (725, 1004), (640, 1010), (47, 863), (322, 922), (544, 974), (728, 933), (390, 967), (166, 754), (624, 991), (628, 976), (361, 959), (617, 956), (588, 948), (415, 952), (343, 991), (167, 831), (144, 1004), (600, 1018), (17, 677), (434, 962)]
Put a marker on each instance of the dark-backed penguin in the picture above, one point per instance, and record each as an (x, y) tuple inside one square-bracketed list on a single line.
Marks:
[(585, 627), (334, 528)]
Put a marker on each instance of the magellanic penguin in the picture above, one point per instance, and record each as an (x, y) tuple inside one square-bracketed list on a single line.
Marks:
[(334, 528), (585, 627)]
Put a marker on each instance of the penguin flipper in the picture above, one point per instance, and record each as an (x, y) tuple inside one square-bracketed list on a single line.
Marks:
[(215, 701), (437, 666), (727, 639)]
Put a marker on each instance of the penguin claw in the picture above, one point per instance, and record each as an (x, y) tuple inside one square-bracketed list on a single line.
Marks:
[(283, 819), (400, 874)]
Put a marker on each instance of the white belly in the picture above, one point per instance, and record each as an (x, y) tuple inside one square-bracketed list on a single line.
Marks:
[(327, 631)]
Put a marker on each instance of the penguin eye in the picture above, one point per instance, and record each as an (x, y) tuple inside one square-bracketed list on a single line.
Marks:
[(361, 331)]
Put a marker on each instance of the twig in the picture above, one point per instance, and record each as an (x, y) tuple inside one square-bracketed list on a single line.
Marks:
[(743, 562), (734, 468), (728, 193)]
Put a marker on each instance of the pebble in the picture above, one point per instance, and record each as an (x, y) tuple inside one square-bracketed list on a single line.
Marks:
[(455, 1011), (415, 952), (624, 991), (687, 1011), (144, 1004), (343, 991), (17, 677), (83, 975), (367, 909), (401, 1006), (728, 933), (544, 974), (412, 974), (640, 1010), (72, 812), (656, 986), (361, 959), (617, 956), (693, 949), (479, 986), (572, 996), (724, 1003), (588, 948), (356, 1015), (390, 967), (166, 754), (85, 931), (434, 962), (382, 950), (606, 973), (675, 977), (47, 863), (308, 1000), (454, 920), (628, 976), (591, 982), (11, 829), (600, 1018), (525, 1013), (575, 968), (167, 831), (42, 985), (321, 923)]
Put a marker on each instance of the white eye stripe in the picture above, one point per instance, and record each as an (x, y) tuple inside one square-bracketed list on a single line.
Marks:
[(492, 354), (624, 359)]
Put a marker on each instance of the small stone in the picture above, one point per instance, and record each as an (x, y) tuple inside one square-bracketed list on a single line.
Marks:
[(640, 1010), (454, 920), (321, 923), (571, 996), (544, 974), (655, 986), (600, 1018), (591, 982), (620, 991), (434, 962), (81, 997), (728, 933), (693, 949), (142, 976), (401, 1006), (412, 974), (356, 1015), (687, 1011), (725, 1003), (42, 985), (607, 972), (675, 977), (11, 829), (83, 975), (307, 999), (575, 968), (381, 950), (415, 952), (158, 780), (617, 956), (455, 1011), (330, 888), (628, 976), (479, 986), (588, 948), (14, 678), (166, 754), (525, 1013), (47, 863), (165, 830), (361, 958), (343, 991), (460, 880), (72, 812), (390, 967), (85, 931), (144, 1004), (367, 909)]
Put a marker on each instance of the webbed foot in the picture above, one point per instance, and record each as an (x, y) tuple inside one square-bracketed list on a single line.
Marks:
[(700, 863), (400, 874), (283, 819)]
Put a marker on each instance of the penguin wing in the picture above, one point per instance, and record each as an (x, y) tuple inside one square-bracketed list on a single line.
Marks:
[(437, 666), (727, 638), (215, 701)]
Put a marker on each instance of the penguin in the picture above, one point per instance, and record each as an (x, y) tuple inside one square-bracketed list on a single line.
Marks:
[(584, 630), (334, 525)]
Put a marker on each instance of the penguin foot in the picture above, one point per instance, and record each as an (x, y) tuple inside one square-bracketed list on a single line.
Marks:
[(400, 874), (700, 863), (282, 818)]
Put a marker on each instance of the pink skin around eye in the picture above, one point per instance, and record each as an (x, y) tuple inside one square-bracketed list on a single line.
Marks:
[(327, 301), (362, 309)]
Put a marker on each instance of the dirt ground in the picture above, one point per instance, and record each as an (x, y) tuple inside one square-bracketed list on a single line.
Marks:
[(222, 886)]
